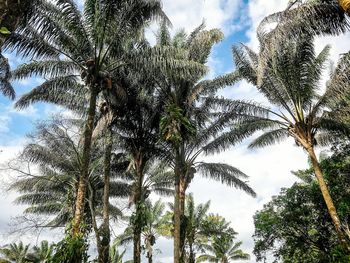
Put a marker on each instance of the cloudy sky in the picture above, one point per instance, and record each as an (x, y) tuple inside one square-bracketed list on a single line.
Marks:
[(269, 168)]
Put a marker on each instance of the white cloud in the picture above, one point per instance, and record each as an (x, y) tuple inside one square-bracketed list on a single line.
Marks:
[(258, 9), (189, 14), (30, 111)]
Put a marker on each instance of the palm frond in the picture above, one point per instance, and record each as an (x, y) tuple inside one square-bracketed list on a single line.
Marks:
[(5, 76), (226, 174), (269, 138)]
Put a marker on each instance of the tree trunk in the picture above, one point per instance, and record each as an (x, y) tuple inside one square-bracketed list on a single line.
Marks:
[(106, 235), (149, 252), (137, 202), (182, 215), (177, 211), (345, 5), (93, 220), (179, 206), (328, 200), (82, 186), (192, 258)]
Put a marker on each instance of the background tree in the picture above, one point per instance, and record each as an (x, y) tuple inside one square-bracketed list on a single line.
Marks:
[(14, 253), (152, 227), (42, 253), (50, 191), (224, 250), (156, 179), (115, 255), (295, 224)]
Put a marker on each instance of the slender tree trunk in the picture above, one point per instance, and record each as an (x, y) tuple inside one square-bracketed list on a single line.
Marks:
[(328, 200), (80, 200), (177, 211), (93, 220), (137, 201), (192, 258), (150, 254), (182, 215), (106, 235)]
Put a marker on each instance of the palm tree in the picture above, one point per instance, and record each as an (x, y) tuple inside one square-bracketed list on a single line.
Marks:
[(42, 253), (55, 149), (290, 83), (14, 253), (152, 227), (223, 250), (135, 119), (68, 46), (156, 179), (137, 136), (115, 256), (194, 236), (201, 228), (190, 122), (155, 214)]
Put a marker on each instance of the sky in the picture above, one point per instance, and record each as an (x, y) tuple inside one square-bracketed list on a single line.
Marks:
[(269, 169)]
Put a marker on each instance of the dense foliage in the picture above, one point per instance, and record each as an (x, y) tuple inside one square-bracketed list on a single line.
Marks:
[(295, 225)]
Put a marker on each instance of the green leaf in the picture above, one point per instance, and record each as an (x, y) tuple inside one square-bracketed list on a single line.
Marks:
[(4, 31)]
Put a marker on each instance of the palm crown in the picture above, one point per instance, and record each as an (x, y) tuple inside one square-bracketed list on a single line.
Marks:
[(299, 111)]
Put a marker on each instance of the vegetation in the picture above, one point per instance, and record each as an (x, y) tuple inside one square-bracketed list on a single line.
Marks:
[(142, 119), (295, 225), (290, 83)]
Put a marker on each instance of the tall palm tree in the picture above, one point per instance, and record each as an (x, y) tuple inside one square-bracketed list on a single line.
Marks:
[(135, 120), (78, 52), (137, 136), (190, 122), (14, 253), (290, 84)]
